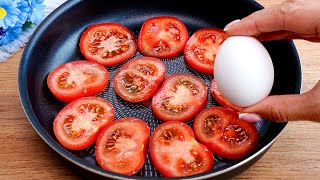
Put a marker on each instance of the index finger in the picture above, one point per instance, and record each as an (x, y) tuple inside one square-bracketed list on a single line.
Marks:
[(266, 20)]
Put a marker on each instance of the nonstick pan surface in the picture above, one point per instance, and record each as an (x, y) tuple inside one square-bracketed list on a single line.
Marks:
[(56, 41)]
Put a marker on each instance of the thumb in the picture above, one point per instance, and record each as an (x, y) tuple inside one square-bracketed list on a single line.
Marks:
[(283, 108)]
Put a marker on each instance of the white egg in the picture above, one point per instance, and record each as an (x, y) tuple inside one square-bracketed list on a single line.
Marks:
[(243, 70)]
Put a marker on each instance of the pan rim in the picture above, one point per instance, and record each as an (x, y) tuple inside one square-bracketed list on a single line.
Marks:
[(27, 107)]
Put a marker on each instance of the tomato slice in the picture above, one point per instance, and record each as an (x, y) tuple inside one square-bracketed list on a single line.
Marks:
[(139, 79), (79, 123), (221, 130), (162, 37), (181, 98), (174, 151), (108, 43), (77, 79), (201, 49), (122, 146), (221, 100)]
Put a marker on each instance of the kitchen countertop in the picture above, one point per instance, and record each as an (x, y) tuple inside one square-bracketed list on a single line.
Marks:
[(24, 155)]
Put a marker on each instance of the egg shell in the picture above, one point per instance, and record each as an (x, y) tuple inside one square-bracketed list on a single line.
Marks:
[(243, 70)]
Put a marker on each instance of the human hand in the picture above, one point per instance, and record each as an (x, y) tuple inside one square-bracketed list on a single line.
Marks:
[(282, 108), (292, 19)]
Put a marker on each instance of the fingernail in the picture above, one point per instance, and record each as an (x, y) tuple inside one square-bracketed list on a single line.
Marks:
[(250, 117), (232, 23)]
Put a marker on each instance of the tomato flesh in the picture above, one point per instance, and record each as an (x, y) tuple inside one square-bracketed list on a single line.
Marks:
[(162, 37), (139, 79), (175, 152), (77, 79), (180, 98), (221, 130), (201, 49), (122, 146), (78, 124), (221, 100), (108, 43)]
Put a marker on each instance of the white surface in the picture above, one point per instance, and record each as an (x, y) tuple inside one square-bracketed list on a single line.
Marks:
[(243, 71)]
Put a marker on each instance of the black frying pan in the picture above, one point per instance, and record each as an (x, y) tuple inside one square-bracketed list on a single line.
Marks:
[(56, 42)]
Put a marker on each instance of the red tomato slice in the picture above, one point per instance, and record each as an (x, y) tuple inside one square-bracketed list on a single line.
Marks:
[(139, 79), (79, 123), (221, 130), (162, 37), (221, 100), (122, 146), (181, 98), (174, 151), (77, 79), (108, 43), (201, 49)]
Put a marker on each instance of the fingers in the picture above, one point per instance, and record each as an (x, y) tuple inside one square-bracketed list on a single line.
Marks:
[(278, 35), (284, 35), (278, 108), (301, 18), (285, 108), (266, 20)]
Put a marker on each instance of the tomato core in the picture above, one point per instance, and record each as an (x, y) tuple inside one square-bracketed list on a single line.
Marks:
[(111, 143), (193, 165), (169, 135), (69, 130), (181, 87), (114, 41), (133, 83)]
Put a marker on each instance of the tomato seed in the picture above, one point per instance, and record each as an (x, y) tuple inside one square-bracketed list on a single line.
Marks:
[(68, 129), (162, 46), (110, 144), (189, 85), (146, 69), (234, 134), (102, 38), (195, 153), (92, 108), (193, 165), (133, 83), (212, 124), (124, 48), (166, 104), (181, 138), (170, 134)]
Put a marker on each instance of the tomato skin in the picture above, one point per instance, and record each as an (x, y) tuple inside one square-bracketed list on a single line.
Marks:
[(148, 71), (79, 123), (180, 98), (202, 47), (108, 34), (220, 99), (111, 146), (162, 37), (88, 78), (172, 144), (221, 130)]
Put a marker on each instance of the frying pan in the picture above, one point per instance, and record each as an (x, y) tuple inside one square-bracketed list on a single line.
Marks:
[(56, 41)]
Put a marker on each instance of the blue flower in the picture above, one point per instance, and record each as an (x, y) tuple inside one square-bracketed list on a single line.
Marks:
[(2, 31), (8, 13), (25, 9), (36, 13), (9, 34)]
